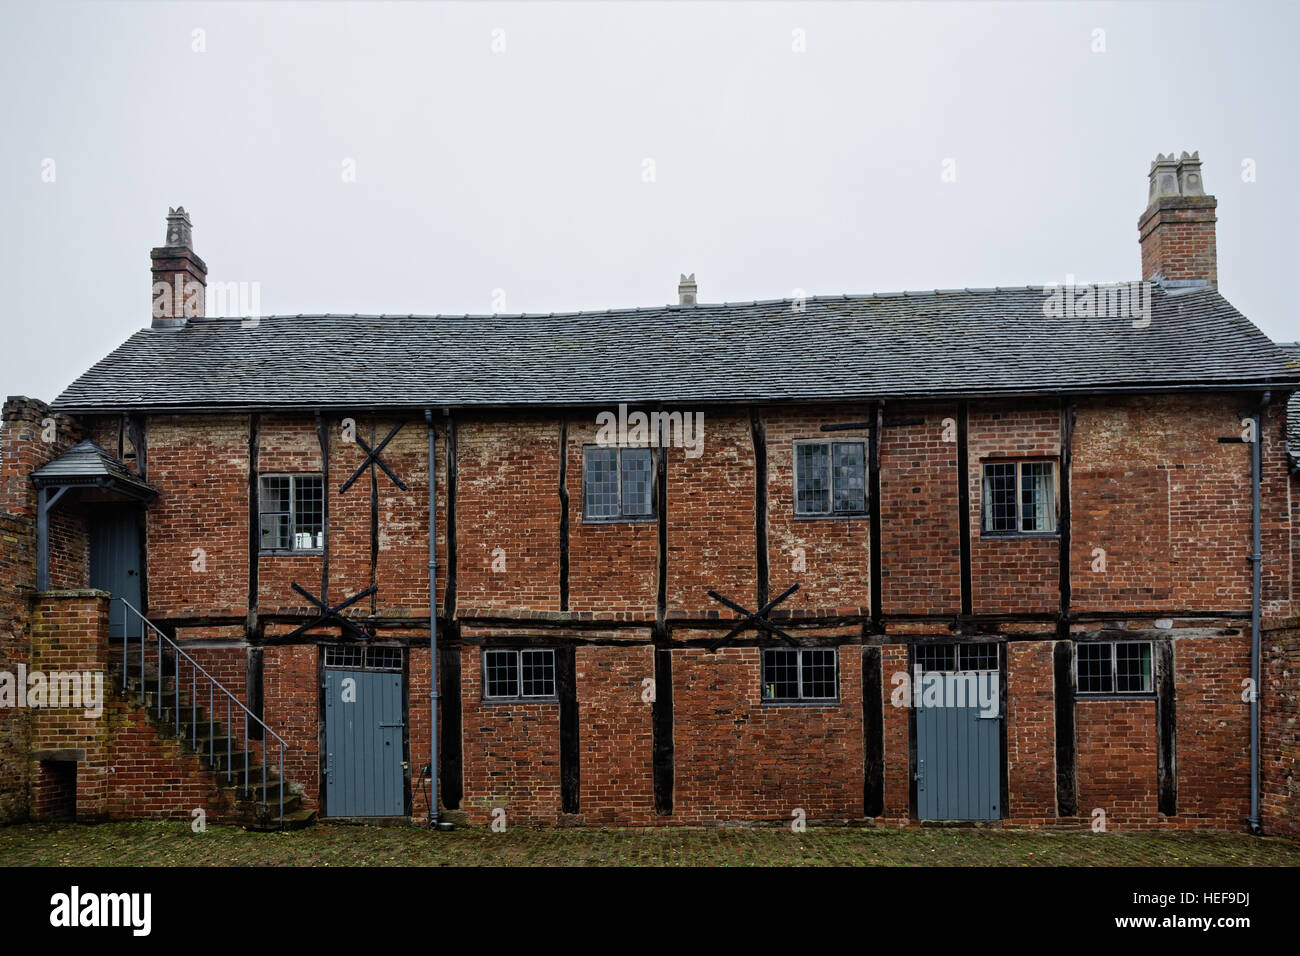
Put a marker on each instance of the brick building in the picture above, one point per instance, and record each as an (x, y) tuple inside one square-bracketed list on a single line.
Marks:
[(975, 554)]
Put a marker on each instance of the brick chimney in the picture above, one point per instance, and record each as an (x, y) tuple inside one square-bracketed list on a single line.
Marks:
[(179, 276), (1177, 230), (686, 290)]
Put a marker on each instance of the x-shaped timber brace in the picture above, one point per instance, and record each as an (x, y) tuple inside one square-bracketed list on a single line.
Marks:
[(755, 619), (372, 459), (328, 614)]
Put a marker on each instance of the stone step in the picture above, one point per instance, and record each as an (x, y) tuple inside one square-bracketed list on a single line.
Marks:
[(295, 820)]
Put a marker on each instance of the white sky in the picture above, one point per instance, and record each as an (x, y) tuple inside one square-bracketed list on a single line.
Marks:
[(522, 170)]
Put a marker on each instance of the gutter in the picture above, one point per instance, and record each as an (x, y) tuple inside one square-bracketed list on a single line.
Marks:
[(1256, 562)]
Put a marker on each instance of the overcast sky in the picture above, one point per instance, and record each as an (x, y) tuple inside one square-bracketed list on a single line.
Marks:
[(540, 157)]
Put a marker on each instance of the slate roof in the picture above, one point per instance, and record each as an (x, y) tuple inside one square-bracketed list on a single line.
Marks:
[(960, 341), (85, 463), (1292, 349)]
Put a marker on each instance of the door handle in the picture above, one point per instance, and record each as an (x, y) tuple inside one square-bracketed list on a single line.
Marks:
[(398, 724)]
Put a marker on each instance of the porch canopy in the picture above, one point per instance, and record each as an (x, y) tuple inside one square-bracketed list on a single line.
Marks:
[(93, 472)]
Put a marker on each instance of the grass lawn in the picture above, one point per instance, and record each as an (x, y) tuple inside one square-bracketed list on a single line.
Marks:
[(173, 844)]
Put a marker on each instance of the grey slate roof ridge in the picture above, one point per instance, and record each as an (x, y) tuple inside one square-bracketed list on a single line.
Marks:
[(676, 307), (843, 347)]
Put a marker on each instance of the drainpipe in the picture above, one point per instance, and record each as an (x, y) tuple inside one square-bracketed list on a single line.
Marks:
[(1256, 560), (433, 626)]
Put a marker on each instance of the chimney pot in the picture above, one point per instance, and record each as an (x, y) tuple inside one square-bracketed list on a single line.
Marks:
[(1189, 175), (179, 229), (180, 278), (1176, 232), (686, 289)]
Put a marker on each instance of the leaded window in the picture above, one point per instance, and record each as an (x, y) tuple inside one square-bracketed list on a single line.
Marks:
[(800, 674), (519, 674), (292, 512), (830, 478), (1114, 667), (617, 483), (1019, 497)]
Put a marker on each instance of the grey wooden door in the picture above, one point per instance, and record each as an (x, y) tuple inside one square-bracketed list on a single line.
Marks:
[(115, 560), (363, 742), (959, 749)]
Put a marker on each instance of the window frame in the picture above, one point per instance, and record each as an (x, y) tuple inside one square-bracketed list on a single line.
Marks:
[(830, 444), (294, 477), (621, 517), (520, 697), (1113, 693), (985, 502), (801, 700)]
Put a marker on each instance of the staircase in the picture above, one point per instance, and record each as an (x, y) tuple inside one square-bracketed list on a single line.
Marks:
[(186, 703)]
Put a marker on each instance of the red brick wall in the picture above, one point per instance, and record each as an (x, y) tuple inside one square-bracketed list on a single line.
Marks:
[(291, 708), (1213, 730), (1031, 730), (1117, 760), (1280, 732), (613, 567), (199, 464), (615, 735), (512, 753), (507, 492), (1012, 575), (1169, 503), (711, 540), (836, 552), (737, 758), (897, 708), (920, 540)]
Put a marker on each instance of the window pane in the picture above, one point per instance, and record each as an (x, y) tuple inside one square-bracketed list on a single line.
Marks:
[(977, 657), (384, 658), (818, 674), (812, 471), (600, 482), (850, 477), (1133, 668), (780, 674), (936, 657), (344, 655), (502, 673), (275, 495), (1037, 504), (538, 673), (308, 512), (1000, 496), (1094, 669), (275, 532), (636, 481)]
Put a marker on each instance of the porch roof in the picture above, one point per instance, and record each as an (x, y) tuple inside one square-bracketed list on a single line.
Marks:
[(85, 464)]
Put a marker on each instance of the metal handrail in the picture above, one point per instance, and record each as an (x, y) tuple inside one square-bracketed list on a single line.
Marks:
[(195, 669)]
